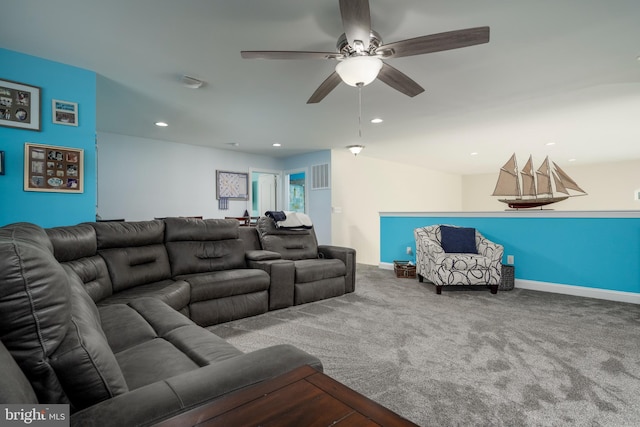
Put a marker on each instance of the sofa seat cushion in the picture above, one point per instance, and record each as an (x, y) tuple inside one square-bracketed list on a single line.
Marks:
[(152, 361), (311, 270), (175, 293), (465, 262), (153, 342), (221, 284)]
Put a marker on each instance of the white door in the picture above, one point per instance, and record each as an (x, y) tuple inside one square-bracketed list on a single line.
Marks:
[(266, 193)]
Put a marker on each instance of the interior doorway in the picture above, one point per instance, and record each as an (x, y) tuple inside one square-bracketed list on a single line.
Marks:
[(264, 194), (296, 194)]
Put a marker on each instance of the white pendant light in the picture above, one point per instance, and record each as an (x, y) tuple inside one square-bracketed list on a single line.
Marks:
[(355, 149), (359, 69)]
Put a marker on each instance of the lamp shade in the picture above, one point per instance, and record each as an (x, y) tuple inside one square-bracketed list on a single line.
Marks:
[(359, 69)]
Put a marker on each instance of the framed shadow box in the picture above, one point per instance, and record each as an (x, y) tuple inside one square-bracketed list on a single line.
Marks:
[(19, 105), (53, 169)]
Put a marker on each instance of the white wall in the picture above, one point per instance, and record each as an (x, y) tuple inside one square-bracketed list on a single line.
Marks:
[(319, 208), (140, 179), (362, 187), (610, 186)]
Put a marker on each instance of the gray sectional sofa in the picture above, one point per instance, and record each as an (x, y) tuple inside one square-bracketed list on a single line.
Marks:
[(108, 317)]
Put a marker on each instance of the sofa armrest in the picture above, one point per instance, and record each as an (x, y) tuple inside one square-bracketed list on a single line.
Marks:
[(165, 399), (261, 255), (282, 274), (346, 255)]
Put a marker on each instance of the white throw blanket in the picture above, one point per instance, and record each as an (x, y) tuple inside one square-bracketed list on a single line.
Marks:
[(295, 220)]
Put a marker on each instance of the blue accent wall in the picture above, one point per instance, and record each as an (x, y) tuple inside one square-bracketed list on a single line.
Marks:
[(595, 252), (56, 81)]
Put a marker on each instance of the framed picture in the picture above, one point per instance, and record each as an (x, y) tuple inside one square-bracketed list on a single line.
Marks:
[(232, 185), (19, 105), (53, 169), (1, 162), (64, 112)]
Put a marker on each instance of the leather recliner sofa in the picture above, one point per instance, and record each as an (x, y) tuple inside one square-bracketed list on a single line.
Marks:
[(94, 315)]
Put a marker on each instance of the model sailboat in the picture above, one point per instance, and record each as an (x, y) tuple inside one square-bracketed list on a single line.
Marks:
[(531, 189)]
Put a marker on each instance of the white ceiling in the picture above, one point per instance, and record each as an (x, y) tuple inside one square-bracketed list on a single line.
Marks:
[(563, 71)]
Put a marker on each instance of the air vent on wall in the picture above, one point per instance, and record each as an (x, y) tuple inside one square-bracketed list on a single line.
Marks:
[(320, 177)]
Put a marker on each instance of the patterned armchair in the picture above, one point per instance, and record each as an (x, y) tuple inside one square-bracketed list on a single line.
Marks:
[(448, 268)]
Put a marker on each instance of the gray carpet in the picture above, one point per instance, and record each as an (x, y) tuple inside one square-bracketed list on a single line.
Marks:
[(468, 358)]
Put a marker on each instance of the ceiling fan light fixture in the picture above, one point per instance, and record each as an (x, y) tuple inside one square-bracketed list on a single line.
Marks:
[(359, 70), (355, 149)]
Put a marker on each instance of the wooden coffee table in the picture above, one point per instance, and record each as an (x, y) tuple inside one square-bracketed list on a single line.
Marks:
[(303, 397)]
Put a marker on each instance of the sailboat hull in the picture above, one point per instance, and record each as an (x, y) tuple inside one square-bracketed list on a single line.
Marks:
[(532, 203)]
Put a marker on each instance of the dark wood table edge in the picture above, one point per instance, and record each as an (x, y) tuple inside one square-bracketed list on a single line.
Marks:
[(360, 403)]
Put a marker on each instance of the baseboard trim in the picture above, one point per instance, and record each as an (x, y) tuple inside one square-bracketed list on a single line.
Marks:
[(579, 291), (386, 265)]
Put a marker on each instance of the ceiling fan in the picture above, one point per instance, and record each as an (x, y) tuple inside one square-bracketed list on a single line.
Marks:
[(361, 52)]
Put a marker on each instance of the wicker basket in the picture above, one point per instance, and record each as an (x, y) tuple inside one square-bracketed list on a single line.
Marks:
[(404, 269), (507, 278)]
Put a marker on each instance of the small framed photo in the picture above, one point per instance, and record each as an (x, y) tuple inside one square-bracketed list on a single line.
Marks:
[(53, 169), (1, 162), (64, 112), (19, 105)]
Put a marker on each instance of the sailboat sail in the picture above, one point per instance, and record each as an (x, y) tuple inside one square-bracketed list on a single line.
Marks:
[(566, 180), (508, 184), (537, 187), (528, 179), (560, 188), (544, 178)]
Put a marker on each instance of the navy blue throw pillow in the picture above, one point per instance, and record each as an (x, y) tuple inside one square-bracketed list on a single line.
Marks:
[(458, 240)]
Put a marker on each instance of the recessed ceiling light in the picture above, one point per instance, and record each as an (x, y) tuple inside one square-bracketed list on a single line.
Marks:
[(550, 143), (377, 120), (276, 144), (192, 82), (474, 153), (161, 124), (572, 160)]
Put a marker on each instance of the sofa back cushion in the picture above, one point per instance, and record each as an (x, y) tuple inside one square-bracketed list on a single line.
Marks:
[(203, 245), (76, 248), (84, 362), (34, 305), (250, 238), (133, 251), (291, 244), (50, 325)]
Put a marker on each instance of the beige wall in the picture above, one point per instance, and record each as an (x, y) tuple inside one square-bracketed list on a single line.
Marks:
[(361, 187), (610, 186)]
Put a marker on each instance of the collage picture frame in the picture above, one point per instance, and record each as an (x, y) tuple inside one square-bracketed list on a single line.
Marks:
[(51, 168)]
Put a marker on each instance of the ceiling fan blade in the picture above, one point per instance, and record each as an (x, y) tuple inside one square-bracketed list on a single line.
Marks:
[(323, 90), (283, 54), (356, 21), (399, 81), (435, 42)]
